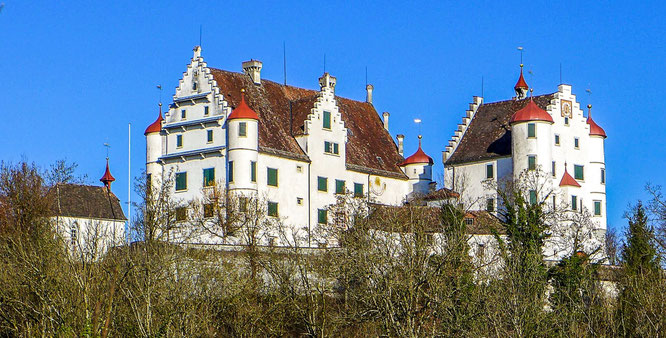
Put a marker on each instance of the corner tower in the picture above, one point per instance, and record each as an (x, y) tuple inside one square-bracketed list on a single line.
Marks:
[(418, 169), (531, 138), (154, 146), (243, 148)]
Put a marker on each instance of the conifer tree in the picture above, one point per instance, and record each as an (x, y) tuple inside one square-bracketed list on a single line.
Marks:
[(639, 253)]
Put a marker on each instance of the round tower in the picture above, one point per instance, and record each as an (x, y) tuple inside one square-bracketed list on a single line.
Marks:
[(242, 148), (154, 146), (418, 169), (531, 139), (596, 174)]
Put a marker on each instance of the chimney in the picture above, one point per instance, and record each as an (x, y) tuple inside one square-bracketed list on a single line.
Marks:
[(327, 81), (197, 52), (368, 94), (252, 68), (386, 117), (401, 149)]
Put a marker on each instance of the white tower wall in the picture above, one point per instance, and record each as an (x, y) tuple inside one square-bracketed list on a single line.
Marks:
[(539, 146), (242, 151)]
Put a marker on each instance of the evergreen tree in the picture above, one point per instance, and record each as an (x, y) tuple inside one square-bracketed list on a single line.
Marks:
[(639, 254)]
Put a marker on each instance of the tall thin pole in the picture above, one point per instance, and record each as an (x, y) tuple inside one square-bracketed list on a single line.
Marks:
[(129, 180)]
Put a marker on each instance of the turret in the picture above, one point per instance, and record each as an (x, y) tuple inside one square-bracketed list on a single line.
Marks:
[(531, 139), (595, 179), (521, 87), (107, 178), (243, 148), (154, 145), (418, 169)]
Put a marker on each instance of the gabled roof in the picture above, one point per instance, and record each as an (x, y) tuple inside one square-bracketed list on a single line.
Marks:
[(369, 145), (85, 201), (489, 134), (567, 180)]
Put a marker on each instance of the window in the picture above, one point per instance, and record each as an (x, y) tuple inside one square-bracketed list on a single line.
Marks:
[(299, 200), (74, 234), (554, 203), (490, 205), (253, 171), (331, 148), (322, 183), (181, 214), (576, 142), (566, 121), (208, 177), (481, 250), (209, 136), (208, 210), (531, 130), (574, 202), (597, 208), (358, 190), (206, 111), (322, 216), (327, 120), (531, 162), (337, 151), (179, 141), (533, 197), (231, 171), (339, 186), (552, 169), (181, 181), (603, 176), (194, 85), (272, 209), (490, 171), (469, 221), (242, 129), (299, 168), (578, 172), (557, 140), (183, 114), (272, 177)]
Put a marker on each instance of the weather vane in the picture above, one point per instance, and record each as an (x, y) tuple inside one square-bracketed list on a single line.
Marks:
[(418, 123), (107, 149), (521, 54)]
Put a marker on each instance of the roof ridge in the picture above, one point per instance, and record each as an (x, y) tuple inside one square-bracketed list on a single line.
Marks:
[(513, 100)]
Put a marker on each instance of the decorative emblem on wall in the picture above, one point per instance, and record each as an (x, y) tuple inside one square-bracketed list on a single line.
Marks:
[(377, 187), (566, 108)]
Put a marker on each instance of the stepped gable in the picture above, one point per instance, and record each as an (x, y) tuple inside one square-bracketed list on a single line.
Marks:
[(85, 201), (489, 134), (367, 138)]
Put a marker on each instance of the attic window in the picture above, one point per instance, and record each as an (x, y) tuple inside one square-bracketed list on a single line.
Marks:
[(379, 159)]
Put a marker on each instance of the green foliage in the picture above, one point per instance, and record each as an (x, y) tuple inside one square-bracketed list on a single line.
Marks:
[(639, 254)]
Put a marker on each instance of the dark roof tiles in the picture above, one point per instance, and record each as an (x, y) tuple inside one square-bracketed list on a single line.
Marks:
[(85, 201)]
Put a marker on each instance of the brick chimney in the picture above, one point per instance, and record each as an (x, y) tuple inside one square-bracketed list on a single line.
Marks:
[(252, 68)]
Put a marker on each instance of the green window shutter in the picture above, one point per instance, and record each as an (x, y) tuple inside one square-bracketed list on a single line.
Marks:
[(597, 208), (272, 177), (181, 181), (531, 130), (339, 186), (272, 209), (253, 171), (242, 129), (209, 136), (322, 183), (358, 190), (576, 142), (490, 171), (335, 149), (557, 140), (179, 140), (327, 120), (206, 111), (327, 147), (574, 203), (533, 197), (578, 172), (531, 162), (208, 177), (603, 175), (322, 216), (231, 171)]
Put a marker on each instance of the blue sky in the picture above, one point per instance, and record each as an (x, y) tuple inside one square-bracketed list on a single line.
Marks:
[(74, 74)]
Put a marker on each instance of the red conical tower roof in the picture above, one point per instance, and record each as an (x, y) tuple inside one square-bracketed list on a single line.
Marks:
[(156, 126), (531, 112), (107, 178), (567, 180), (243, 111), (521, 80), (418, 157), (595, 130)]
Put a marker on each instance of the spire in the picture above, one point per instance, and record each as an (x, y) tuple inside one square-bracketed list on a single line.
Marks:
[(243, 111), (107, 178), (521, 86), (156, 126), (531, 112), (595, 129)]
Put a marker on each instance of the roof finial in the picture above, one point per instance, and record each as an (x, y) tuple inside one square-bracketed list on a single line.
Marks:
[(531, 91), (589, 110), (521, 86)]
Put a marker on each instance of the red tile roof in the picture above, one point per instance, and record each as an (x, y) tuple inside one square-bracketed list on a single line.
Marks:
[(107, 178), (595, 129), (282, 111), (418, 157), (156, 126), (531, 112), (567, 180), (521, 80), (243, 111)]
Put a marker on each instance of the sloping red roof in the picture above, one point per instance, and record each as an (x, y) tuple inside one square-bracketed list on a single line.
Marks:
[(418, 157), (521, 80), (567, 180), (441, 194), (369, 145), (595, 129), (488, 136), (243, 111), (156, 126), (531, 112), (107, 178)]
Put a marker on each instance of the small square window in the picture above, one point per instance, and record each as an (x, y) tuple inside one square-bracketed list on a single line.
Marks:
[(299, 200), (358, 190), (557, 140), (578, 172), (322, 183), (533, 197), (531, 130), (597, 208), (490, 171), (299, 169), (576, 143), (242, 129), (603, 176), (181, 214), (209, 136), (208, 210), (339, 186), (531, 162), (253, 171), (322, 216), (181, 181), (490, 205), (272, 174), (574, 203), (272, 209), (179, 141), (206, 111), (183, 114), (208, 177), (327, 120)]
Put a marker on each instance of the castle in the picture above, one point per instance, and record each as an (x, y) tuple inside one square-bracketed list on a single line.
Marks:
[(299, 149)]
